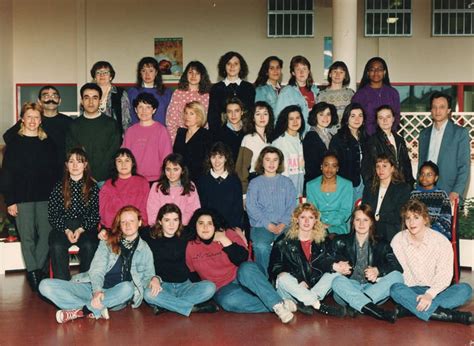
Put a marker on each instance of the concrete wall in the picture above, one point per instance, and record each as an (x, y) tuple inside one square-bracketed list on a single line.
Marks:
[(57, 41)]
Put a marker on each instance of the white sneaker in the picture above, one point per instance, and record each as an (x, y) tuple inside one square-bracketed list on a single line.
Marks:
[(283, 313), (290, 305), (104, 314)]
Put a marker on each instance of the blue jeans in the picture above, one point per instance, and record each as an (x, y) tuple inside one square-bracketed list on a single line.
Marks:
[(182, 296), (357, 294), (262, 240), (450, 298), (250, 292), (289, 288), (71, 295)]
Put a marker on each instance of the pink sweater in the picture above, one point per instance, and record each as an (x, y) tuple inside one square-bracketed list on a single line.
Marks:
[(211, 262), (150, 145), (187, 203), (131, 191), (174, 116)]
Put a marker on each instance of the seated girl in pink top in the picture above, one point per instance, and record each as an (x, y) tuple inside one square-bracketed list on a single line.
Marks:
[(175, 187), (124, 188), (148, 140)]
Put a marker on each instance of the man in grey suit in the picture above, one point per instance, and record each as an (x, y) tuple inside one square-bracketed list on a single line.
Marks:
[(447, 145)]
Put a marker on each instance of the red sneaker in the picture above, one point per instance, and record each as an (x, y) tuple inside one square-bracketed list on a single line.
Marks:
[(63, 316)]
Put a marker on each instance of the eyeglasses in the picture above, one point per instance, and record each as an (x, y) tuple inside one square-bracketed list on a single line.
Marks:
[(102, 73), (50, 96), (372, 70), (429, 174)]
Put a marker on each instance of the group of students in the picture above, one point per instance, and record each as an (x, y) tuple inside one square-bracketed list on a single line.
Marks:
[(215, 159)]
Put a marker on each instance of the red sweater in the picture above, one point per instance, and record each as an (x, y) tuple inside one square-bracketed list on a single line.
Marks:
[(210, 262)]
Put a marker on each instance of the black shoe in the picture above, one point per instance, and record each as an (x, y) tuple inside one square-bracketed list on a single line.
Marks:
[(206, 307), (401, 311), (328, 310), (377, 312), (351, 312), (305, 309), (450, 315), (33, 280), (157, 310)]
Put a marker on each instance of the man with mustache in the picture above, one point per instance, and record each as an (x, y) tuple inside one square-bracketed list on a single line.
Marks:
[(55, 124)]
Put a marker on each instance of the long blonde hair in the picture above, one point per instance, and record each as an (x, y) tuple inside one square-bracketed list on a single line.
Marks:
[(35, 107), (318, 234)]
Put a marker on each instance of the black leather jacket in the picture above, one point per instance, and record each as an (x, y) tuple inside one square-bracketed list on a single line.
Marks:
[(380, 253), (287, 256)]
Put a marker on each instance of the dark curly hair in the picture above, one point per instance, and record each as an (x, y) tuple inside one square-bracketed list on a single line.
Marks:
[(320, 107), (282, 121), (204, 84), (249, 123), (244, 69)]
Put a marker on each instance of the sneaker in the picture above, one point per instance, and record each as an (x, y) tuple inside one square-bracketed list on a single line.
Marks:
[(63, 316), (104, 314), (290, 305), (306, 309), (328, 310), (283, 313)]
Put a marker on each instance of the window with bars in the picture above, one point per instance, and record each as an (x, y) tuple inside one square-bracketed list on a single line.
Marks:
[(453, 18), (388, 17), (290, 18)]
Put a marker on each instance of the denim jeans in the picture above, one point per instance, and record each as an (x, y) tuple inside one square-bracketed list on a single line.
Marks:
[(288, 287), (180, 297), (250, 292), (71, 295), (262, 240), (357, 294), (452, 297)]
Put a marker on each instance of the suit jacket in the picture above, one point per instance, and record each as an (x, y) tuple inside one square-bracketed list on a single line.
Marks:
[(454, 160), (389, 222)]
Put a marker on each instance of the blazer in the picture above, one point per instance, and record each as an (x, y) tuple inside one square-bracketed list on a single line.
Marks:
[(348, 152), (313, 152), (454, 160), (389, 222)]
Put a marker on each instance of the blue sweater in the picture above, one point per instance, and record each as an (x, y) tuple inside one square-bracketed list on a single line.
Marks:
[(270, 200), (163, 102)]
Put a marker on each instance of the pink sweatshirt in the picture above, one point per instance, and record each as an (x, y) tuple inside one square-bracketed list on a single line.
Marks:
[(150, 145), (131, 191), (187, 203)]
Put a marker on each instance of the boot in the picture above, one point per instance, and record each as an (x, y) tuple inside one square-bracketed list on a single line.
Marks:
[(376, 312), (305, 309), (351, 312), (401, 311), (208, 307), (451, 315), (328, 310), (33, 280)]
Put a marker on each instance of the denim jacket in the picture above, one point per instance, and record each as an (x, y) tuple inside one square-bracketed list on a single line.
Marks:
[(266, 93), (291, 95), (104, 259)]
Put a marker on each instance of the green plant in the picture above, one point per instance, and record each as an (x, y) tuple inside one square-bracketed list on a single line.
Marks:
[(466, 220)]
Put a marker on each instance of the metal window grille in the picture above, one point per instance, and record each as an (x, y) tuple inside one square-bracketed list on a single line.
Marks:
[(290, 18), (388, 18), (412, 123), (453, 18)]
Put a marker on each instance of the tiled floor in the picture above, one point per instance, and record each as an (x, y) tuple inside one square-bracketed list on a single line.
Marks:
[(25, 319)]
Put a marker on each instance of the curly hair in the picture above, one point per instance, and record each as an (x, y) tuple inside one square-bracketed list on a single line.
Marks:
[(220, 148), (244, 69), (204, 84), (102, 64), (282, 122), (318, 233), (415, 206), (321, 107)]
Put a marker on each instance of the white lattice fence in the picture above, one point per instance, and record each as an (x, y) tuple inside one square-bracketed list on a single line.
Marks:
[(413, 122)]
